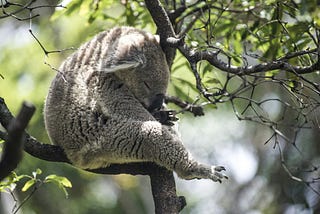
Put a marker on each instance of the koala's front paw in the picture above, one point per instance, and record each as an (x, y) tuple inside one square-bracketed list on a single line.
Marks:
[(165, 117), (216, 174)]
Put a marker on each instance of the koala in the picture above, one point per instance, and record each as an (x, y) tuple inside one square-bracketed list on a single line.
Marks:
[(99, 106)]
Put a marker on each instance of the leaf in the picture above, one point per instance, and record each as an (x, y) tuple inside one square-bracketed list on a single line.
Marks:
[(59, 179), (4, 188), (212, 81), (28, 184), (272, 73), (37, 172), (9, 183), (62, 182)]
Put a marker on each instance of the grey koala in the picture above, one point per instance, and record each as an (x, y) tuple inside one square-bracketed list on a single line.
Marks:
[(98, 106)]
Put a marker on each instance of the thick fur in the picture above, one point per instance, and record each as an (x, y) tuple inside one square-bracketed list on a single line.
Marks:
[(97, 108)]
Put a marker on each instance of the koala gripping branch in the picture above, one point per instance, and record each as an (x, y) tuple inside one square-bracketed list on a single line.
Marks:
[(162, 180)]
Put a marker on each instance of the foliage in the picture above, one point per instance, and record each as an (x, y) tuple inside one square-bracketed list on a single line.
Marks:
[(284, 104), (10, 184)]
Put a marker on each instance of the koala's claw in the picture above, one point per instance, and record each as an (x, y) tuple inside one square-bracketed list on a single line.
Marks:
[(219, 168), (165, 117), (216, 174)]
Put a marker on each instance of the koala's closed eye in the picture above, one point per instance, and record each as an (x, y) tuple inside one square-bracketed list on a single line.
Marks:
[(147, 85)]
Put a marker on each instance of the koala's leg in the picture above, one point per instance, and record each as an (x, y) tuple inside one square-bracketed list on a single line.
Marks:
[(150, 141)]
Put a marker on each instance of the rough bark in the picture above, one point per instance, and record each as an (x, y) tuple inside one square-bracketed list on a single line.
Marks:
[(12, 150)]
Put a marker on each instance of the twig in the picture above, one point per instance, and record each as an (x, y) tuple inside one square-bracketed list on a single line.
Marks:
[(196, 110)]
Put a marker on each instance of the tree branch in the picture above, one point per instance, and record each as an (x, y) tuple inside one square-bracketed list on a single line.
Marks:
[(164, 28), (196, 110), (12, 151), (212, 57), (164, 192)]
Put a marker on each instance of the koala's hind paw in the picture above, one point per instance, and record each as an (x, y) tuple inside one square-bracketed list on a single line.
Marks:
[(201, 171), (216, 174)]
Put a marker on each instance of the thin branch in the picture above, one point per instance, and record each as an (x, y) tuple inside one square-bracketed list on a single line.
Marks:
[(196, 110), (23, 7), (7, 4), (212, 57), (17, 208)]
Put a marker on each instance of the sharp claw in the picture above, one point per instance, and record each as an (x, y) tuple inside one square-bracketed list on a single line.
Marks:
[(220, 168)]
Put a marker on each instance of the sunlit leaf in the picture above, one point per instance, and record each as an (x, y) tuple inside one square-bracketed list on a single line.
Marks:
[(212, 81), (28, 184), (62, 182), (37, 172)]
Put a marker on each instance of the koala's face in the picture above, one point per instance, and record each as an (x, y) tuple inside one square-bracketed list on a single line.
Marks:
[(148, 79)]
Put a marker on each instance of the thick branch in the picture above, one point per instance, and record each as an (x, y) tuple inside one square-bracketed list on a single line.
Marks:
[(162, 180), (164, 192), (12, 151), (164, 28)]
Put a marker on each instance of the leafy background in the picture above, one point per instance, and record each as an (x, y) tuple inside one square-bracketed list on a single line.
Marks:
[(257, 184)]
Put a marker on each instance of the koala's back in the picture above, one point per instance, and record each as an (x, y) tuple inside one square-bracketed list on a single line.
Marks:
[(73, 111)]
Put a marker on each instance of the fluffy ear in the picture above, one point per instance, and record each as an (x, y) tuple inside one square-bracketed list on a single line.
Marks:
[(113, 65), (120, 66)]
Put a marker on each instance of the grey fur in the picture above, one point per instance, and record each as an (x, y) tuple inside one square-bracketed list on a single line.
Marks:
[(96, 108)]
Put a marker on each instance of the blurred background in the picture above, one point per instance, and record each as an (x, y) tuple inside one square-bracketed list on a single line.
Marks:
[(258, 182)]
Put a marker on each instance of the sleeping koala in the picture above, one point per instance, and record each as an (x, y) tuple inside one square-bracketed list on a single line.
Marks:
[(98, 106)]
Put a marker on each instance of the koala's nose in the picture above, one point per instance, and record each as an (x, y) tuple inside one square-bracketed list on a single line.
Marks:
[(156, 102)]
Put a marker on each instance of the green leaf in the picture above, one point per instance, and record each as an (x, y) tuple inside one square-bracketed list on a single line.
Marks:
[(28, 184), (6, 187), (9, 183), (272, 73), (212, 81), (58, 179), (62, 182), (37, 172)]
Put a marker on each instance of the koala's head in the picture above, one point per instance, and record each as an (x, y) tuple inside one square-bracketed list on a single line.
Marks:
[(137, 59)]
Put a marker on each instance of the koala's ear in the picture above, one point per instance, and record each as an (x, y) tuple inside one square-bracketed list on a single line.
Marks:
[(120, 66)]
